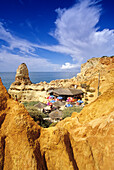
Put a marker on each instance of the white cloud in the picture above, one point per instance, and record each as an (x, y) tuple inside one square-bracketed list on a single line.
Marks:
[(78, 35), (23, 45), (69, 66), (10, 62), (5, 34)]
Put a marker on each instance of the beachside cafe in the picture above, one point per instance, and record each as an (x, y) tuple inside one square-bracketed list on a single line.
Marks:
[(67, 92)]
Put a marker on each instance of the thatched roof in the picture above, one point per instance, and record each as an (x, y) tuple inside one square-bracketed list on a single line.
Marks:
[(58, 104), (67, 91), (55, 114), (76, 91), (50, 91), (40, 105), (62, 91)]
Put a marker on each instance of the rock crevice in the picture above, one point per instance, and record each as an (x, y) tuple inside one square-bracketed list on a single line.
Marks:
[(69, 150)]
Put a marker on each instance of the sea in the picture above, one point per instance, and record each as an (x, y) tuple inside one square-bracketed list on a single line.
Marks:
[(9, 77)]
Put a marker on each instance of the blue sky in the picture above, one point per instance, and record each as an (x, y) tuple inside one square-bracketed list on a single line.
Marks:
[(57, 35)]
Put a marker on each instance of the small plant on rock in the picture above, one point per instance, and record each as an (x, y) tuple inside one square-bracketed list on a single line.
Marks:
[(84, 85), (91, 95), (86, 99)]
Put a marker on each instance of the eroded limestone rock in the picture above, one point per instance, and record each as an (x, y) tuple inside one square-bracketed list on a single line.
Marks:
[(78, 142), (25, 91), (22, 75)]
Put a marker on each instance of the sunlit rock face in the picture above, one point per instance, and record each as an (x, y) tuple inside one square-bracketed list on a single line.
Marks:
[(81, 142), (93, 66), (18, 133), (22, 75), (27, 91), (24, 90)]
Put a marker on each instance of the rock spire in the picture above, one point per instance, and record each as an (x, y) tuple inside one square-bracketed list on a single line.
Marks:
[(22, 75)]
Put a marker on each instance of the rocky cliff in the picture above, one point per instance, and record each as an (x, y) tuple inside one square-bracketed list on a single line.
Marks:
[(94, 70), (26, 91), (17, 135), (83, 141), (22, 75), (91, 69)]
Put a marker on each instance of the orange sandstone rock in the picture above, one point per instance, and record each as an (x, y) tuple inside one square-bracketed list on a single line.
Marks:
[(78, 142), (18, 135)]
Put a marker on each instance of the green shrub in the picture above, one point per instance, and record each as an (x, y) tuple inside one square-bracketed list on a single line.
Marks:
[(32, 110), (36, 114), (86, 99), (99, 93), (92, 90), (87, 88), (91, 95), (67, 112), (84, 85), (53, 124), (104, 56), (32, 103), (25, 104), (17, 83), (45, 123), (39, 117)]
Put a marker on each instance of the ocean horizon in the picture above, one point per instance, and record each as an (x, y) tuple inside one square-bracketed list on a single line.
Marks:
[(36, 77)]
